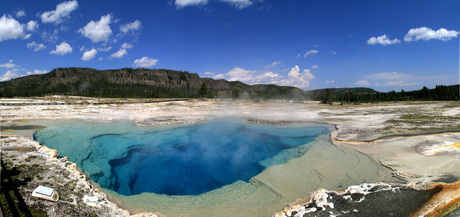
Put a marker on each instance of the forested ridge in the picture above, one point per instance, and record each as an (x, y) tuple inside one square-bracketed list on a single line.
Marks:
[(138, 83)]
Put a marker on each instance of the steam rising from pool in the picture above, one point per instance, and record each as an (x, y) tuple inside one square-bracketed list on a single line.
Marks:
[(185, 160)]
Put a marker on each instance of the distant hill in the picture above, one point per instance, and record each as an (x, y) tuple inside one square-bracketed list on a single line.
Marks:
[(164, 83)]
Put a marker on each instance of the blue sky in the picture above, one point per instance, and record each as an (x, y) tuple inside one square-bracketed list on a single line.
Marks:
[(389, 45)]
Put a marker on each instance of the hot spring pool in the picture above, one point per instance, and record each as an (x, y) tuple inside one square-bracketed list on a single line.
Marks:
[(203, 169), (186, 160)]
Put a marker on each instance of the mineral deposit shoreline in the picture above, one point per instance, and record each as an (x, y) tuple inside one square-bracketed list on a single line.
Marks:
[(356, 127)]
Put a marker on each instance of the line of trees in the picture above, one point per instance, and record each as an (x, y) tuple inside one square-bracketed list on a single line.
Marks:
[(441, 92)]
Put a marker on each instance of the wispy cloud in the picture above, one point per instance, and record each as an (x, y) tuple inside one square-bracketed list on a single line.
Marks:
[(385, 79), (310, 53), (273, 64), (382, 40), (50, 37), (103, 49), (131, 27), (390, 76), (35, 46), (396, 80), (8, 65), (20, 13), (240, 4)]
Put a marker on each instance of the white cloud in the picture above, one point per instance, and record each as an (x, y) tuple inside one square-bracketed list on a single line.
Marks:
[(20, 13), (333, 52), (383, 40), (8, 76), (119, 54), (62, 11), (98, 31), (273, 64), (126, 46), (32, 26), (37, 72), (185, 3), (35, 46), (310, 53), (209, 73), (251, 77), (424, 33), (89, 55), (240, 74), (362, 83), (294, 78), (240, 4), (297, 79), (145, 62), (11, 29), (315, 67), (9, 65), (131, 27), (62, 49), (82, 48), (330, 82)]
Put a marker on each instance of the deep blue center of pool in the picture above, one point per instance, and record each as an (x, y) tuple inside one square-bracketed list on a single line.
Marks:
[(187, 160)]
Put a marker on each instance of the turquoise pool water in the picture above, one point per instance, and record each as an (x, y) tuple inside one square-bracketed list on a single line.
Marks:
[(176, 160)]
